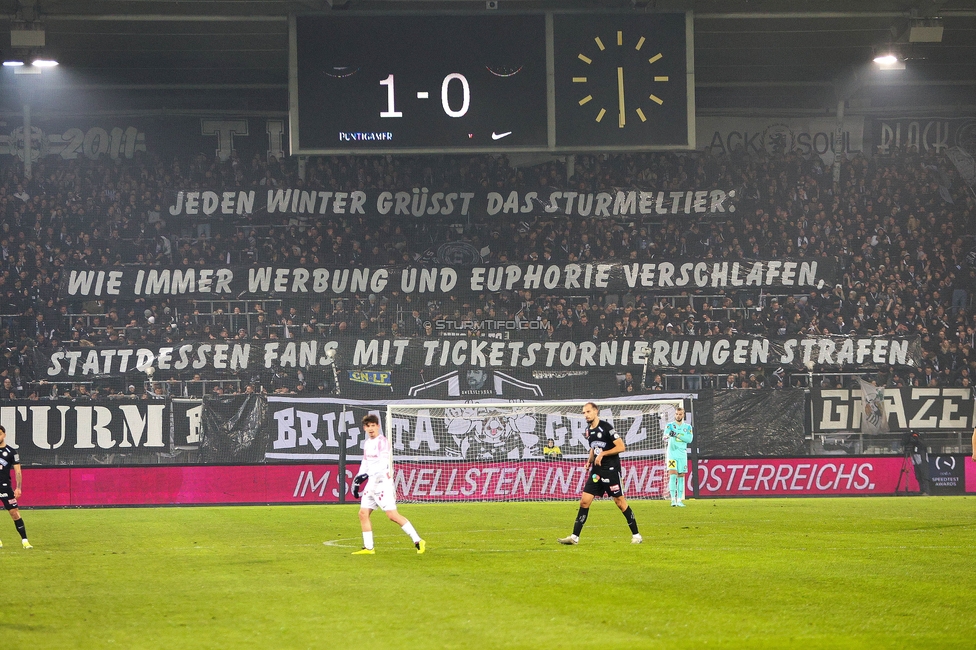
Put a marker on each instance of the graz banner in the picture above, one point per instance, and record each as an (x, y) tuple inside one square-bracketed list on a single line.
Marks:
[(239, 282), (311, 429), (419, 202), (801, 352), (55, 431), (908, 409)]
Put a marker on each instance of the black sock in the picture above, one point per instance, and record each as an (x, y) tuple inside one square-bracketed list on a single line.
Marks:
[(631, 520), (19, 523), (580, 520)]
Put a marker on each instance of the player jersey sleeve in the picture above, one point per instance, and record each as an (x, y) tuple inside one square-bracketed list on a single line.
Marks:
[(686, 435)]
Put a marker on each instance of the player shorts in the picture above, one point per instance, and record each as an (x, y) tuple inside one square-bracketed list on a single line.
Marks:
[(604, 482), (381, 495), (679, 465), (7, 496)]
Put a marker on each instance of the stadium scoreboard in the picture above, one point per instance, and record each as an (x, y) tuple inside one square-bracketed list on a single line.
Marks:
[(491, 82)]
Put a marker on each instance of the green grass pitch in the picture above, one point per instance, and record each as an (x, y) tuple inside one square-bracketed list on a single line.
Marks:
[(763, 573)]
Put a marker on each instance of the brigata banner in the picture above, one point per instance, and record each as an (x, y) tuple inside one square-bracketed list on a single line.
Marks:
[(719, 353), (239, 282), (55, 431), (312, 428), (754, 477), (908, 409), (380, 354), (420, 202)]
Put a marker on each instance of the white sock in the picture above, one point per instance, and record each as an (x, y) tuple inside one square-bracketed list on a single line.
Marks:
[(368, 539), (409, 530)]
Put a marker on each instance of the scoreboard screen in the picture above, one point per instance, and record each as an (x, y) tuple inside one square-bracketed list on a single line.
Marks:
[(491, 82)]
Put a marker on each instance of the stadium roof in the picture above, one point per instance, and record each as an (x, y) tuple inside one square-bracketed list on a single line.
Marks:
[(783, 56)]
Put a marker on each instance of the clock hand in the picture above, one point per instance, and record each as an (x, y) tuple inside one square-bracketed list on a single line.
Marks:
[(620, 97)]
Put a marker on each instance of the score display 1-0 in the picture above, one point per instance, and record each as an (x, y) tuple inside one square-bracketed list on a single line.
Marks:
[(391, 110), (410, 82)]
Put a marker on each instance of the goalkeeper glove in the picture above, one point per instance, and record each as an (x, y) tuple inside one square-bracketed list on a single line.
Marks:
[(357, 483)]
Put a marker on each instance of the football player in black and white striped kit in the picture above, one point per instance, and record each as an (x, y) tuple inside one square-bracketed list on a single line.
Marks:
[(10, 461)]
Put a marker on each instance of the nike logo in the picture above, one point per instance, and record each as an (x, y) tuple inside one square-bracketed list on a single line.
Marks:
[(499, 136)]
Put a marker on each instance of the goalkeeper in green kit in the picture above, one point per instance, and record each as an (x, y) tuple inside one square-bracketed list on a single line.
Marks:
[(677, 436)]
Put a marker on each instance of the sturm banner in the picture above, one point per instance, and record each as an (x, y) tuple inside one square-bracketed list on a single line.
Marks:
[(240, 282), (50, 431), (801, 352), (625, 203), (908, 409)]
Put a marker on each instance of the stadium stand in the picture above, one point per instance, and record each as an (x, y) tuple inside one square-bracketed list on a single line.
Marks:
[(901, 246)]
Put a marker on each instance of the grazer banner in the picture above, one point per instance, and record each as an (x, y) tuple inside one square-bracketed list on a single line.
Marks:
[(908, 409), (719, 353), (925, 134), (311, 429), (54, 431), (805, 476), (240, 282), (319, 483), (623, 203)]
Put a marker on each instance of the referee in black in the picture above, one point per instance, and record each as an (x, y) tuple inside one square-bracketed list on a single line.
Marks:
[(10, 460), (603, 473)]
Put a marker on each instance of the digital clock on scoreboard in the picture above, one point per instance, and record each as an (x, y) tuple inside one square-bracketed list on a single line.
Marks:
[(411, 83)]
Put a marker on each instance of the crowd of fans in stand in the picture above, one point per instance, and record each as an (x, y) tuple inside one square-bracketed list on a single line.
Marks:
[(900, 245)]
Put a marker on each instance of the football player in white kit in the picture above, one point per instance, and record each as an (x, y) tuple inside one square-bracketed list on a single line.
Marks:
[(377, 472)]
